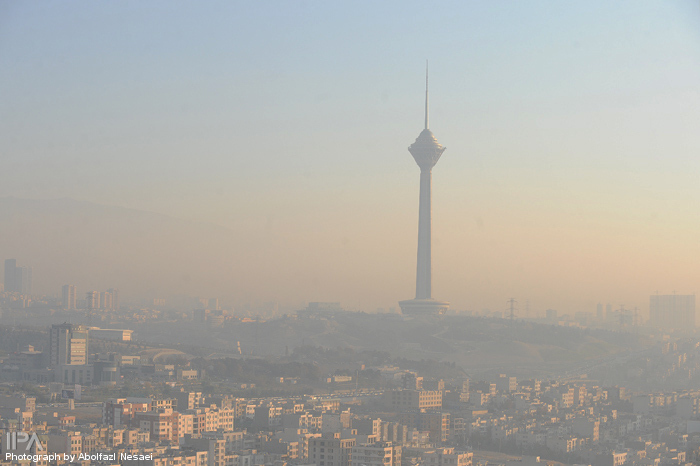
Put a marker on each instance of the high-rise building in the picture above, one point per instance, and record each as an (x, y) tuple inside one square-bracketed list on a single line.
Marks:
[(17, 279), (69, 297), (106, 300), (115, 298), (672, 311), (102, 299), (426, 151), (92, 300), (10, 266), (68, 345), (23, 276)]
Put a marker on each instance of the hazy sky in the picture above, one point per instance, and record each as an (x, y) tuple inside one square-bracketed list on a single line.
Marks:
[(572, 168)]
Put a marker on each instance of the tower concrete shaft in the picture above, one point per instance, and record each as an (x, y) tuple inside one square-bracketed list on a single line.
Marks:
[(424, 264)]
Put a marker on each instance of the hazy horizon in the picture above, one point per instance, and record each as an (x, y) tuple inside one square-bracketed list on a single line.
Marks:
[(569, 179)]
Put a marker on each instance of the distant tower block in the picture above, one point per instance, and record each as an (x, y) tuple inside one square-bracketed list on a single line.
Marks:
[(426, 151)]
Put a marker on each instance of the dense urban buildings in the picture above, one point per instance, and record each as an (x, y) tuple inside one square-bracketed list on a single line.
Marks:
[(514, 423), (344, 407)]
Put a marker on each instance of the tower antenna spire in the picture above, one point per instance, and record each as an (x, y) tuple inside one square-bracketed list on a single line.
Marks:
[(426, 94)]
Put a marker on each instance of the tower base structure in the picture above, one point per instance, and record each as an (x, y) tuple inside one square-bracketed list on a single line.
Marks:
[(423, 307)]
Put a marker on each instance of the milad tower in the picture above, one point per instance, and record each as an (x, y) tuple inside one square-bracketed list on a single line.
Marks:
[(426, 151)]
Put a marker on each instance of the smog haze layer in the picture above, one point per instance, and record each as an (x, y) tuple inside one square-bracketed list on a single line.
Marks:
[(257, 151)]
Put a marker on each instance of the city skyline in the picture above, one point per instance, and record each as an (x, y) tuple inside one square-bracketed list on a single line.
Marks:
[(571, 181), (209, 246)]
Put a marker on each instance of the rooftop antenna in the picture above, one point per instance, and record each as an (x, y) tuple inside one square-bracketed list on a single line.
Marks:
[(426, 94)]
